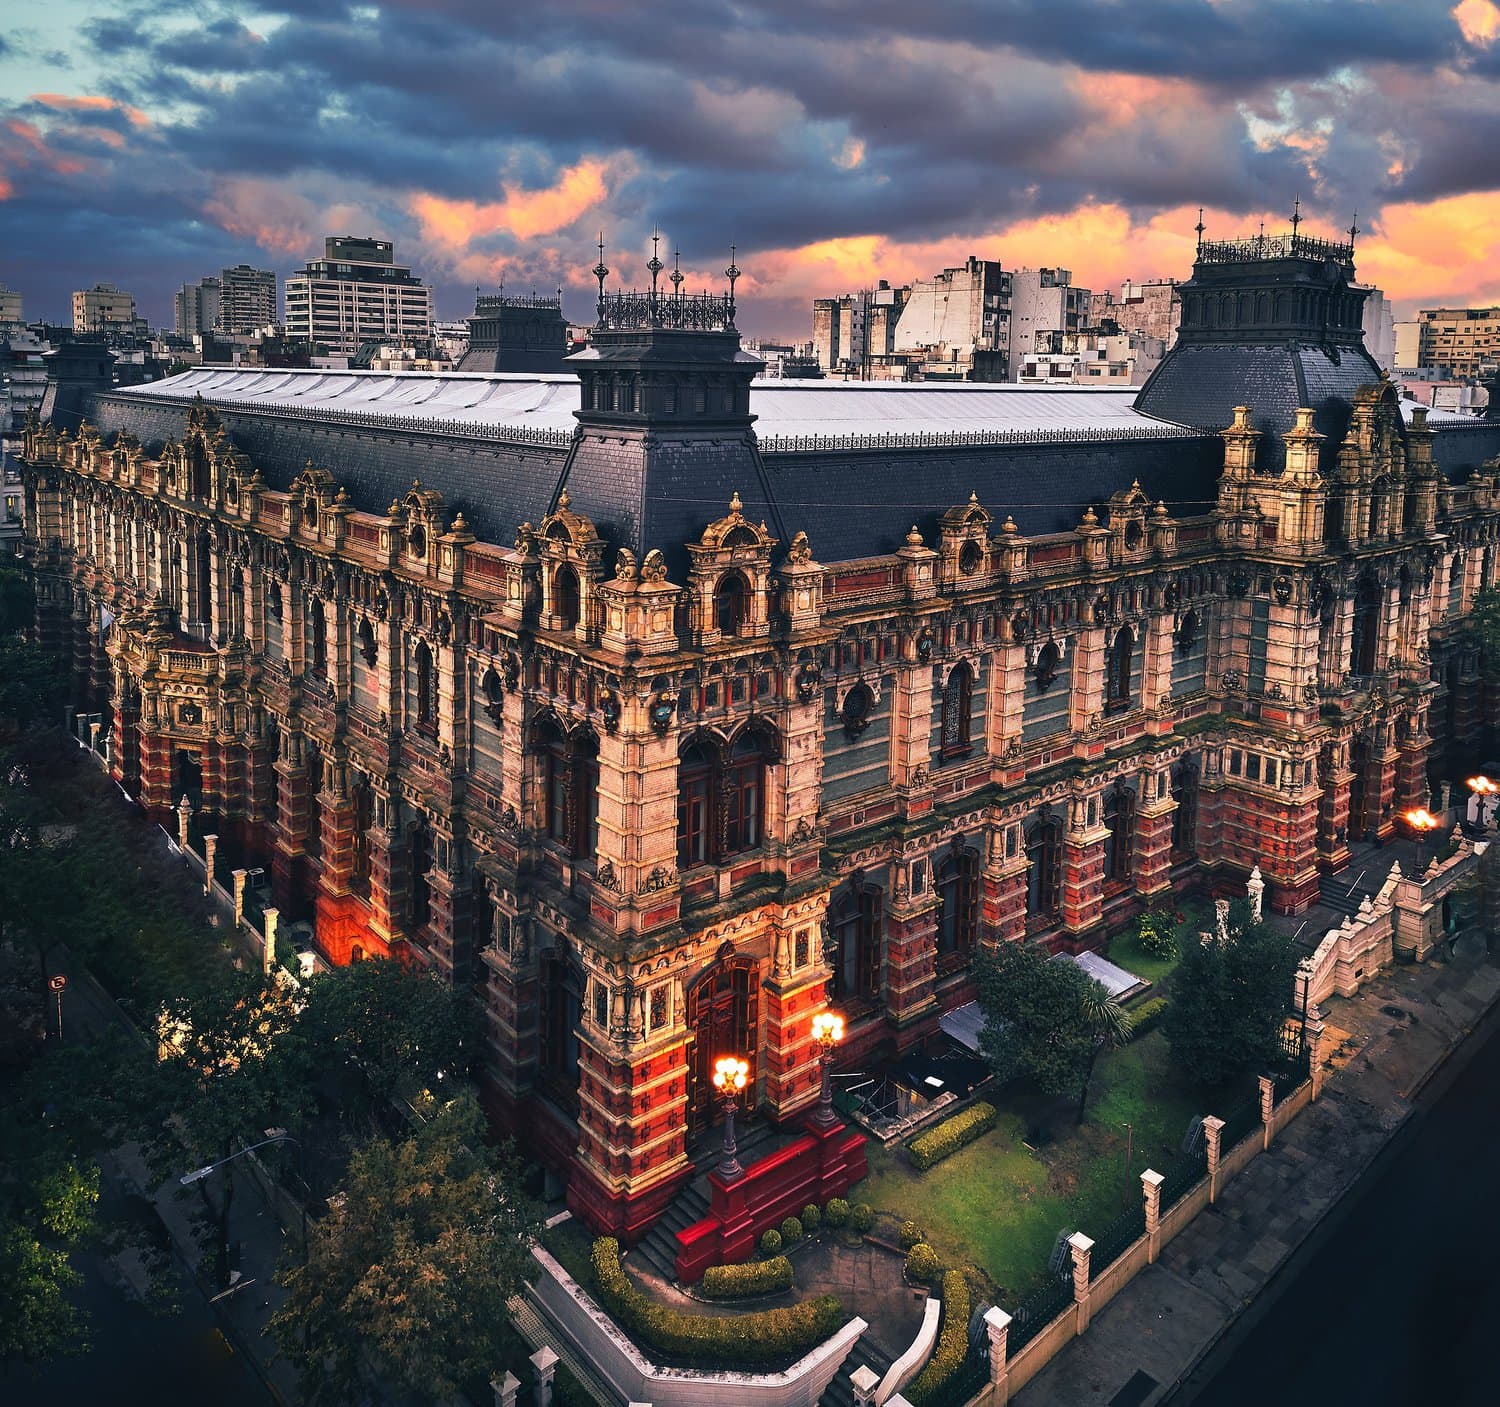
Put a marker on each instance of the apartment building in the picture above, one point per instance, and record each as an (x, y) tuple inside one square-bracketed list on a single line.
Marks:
[(356, 293)]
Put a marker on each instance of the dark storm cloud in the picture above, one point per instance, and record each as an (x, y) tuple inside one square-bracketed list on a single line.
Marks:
[(779, 124)]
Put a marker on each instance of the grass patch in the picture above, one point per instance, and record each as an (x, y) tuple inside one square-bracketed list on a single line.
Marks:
[(1125, 950), (997, 1205)]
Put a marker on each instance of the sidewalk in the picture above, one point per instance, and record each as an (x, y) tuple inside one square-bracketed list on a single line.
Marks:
[(1391, 1039)]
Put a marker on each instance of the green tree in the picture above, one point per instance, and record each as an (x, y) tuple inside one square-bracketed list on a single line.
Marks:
[(1483, 630), (233, 1064), (17, 600), (1044, 1019), (405, 1285), (388, 1022), (1229, 1001)]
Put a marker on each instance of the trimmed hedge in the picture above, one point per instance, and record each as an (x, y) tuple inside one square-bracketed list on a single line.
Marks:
[(770, 1241), (922, 1262), (928, 1149), (910, 1234), (735, 1282), (767, 1337), (952, 1345), (791, 1231), (836, 1213), (1148, 1016), (811, 1218), (861, 1217)]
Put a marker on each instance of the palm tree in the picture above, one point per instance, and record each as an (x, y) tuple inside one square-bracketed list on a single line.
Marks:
[(1108, 1027)]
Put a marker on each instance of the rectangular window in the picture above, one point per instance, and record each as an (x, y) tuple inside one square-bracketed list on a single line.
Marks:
[(1252, 766)]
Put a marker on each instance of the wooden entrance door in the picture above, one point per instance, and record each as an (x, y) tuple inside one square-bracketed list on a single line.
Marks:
[(723, 1011)]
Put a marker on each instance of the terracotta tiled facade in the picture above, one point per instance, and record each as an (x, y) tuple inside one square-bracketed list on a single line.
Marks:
[(657, 814)]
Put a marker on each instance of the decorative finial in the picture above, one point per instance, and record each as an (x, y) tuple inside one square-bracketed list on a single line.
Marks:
[(1296, 215), (735, 506), (1200, 228), (973, 499), (564, 501), (731, 273), (1353, 229), (601, 272), (654, 264), (914, 538), (677, 274)]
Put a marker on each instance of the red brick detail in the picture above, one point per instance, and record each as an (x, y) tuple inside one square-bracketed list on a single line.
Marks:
[(910, 972), (342, 921), (789, 1059), (1153, 853), (1082, 886)]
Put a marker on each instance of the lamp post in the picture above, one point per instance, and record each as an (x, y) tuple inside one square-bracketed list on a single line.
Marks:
[(1483, 788), (828, 1031), (1421, 820), (276, 1136), (731, 1074)]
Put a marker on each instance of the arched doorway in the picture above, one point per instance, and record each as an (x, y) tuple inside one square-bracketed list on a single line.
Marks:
[(188, 778), (723, 1013)]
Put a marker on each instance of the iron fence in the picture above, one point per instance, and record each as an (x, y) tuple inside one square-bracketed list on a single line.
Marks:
[(1038, 1310), (1239, 1123), (1185, 1173), (972, 1375), (1116, 1238)]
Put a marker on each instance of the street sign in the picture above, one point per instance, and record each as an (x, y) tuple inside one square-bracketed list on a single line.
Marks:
[(57, 983)]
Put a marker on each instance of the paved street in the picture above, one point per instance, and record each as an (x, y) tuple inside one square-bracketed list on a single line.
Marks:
[(1392, 1037)]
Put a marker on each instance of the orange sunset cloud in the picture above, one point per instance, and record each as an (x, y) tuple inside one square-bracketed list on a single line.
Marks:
[(524, 214)]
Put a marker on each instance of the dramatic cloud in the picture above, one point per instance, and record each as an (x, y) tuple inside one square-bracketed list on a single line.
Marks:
[(833, 141)]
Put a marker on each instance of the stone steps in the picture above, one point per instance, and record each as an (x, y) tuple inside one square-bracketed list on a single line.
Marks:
[(538, 1331), (1342, 897), (864, 1354)]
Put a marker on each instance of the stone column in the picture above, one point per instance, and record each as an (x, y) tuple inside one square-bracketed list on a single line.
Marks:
[(184, 814), (1213, 1127), (864, 1382), (544, 1360), (1267, 1108), (505, 1389), (268, 949), (210, 845), (1315, 1052), (997, 1326), (1151, 1182), (239, 877), (1081, 1246)]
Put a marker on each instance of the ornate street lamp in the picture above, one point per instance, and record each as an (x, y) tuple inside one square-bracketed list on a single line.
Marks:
[(1421, 821), (731, 1074), (828, 1031), (1483, 788)]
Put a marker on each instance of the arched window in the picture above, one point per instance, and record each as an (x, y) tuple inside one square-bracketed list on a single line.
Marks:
[(721, 798), (958, 700), (1119, 822), (425, 684), (419, 883), (1117, 670), (1364, 651), (1185, 817), (367, 643), (317, 638), (956, 880), (1044, 878), (1456, 584), (494, 696), (561, 1009), (570, 788), (364, 817), (731, 603), (1187, 633), (314, 760), (565, 597), (855, 920)]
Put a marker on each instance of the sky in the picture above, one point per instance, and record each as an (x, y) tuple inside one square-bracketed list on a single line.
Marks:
[(834, 142)]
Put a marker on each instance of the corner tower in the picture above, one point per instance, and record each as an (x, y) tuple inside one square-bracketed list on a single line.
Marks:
[(665, 430), (1272, 322)]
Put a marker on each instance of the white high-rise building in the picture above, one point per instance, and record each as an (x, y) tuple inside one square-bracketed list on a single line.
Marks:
[(356, 294), (247, 299), (195, 308)]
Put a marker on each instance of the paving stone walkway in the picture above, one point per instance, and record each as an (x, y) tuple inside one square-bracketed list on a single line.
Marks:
[(1392, 1038)]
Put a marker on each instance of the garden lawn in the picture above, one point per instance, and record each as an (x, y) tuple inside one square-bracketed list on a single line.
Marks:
[(998, 1206), (1125, 950)]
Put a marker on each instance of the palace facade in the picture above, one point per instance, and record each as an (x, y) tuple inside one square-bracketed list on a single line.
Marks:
[(665, 707)]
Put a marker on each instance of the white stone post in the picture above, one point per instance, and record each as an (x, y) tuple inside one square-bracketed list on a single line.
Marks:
[(94, 736), (1221, 919), (1255, 890), (864, 1381), (1151, 1182), (268, 955), (210, 845), (1315, 1050), (1212, 1128), (505, 1389), (1267, 1109), (997, 1325), (545, 1363), (184, 813), (1081, 1246), (239, 877)]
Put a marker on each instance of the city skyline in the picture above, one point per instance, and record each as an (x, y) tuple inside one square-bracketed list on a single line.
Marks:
[(834, 146)]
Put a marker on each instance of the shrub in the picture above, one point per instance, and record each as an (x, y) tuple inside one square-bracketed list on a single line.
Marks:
[(909, 1234), (1156, 933), (952, 1344), (930, 1148), (768, 1336), (1147, 1016), (733, 1282), (791, 1231), (861, 1217), (770, 1241), (922, 1262), (836, 1213), (811, 1217)]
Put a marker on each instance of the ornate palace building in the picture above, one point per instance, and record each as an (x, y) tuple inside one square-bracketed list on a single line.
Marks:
[(664, 706)]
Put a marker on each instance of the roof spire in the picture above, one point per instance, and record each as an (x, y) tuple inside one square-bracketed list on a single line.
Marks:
[(677, 274), (1296, 215), (731, 273), (1353, 229), (655, 265), (601, 272), (1200, 228)]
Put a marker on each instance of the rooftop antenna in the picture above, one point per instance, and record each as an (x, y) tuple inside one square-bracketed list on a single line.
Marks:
[(1296, 215), (1200, 227), (731, 273), (601, 272)]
